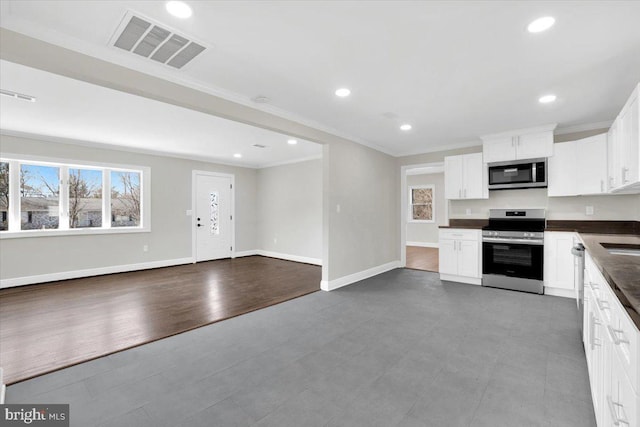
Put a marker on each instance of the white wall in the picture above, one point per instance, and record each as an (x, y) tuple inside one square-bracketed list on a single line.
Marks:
[(428, 232), (170, 236), (289, 209)]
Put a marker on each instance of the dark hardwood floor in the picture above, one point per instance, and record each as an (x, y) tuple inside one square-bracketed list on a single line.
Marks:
[(50, 326), (419, 258)]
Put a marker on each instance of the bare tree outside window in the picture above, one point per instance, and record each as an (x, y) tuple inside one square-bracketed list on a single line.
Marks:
[(39, 197), (125, 199), (4, 196), (85, 198), (421, 203)]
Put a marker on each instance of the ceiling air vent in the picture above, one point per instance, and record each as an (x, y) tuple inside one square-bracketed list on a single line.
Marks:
[(158, 42)]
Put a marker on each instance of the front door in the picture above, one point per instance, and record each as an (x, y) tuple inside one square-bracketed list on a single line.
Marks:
[(213, 233)]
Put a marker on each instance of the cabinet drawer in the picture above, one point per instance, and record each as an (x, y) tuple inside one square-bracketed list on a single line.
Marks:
[(459, 234), (626, 342), (602, 295), (622, 404)]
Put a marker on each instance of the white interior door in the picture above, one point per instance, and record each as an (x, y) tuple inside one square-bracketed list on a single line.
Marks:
[(213, 220)]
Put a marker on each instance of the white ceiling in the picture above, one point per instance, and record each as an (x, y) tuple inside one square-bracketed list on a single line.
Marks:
[(454, 70), (71, 109)]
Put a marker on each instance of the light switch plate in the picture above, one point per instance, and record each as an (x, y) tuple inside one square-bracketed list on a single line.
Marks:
[(588, 210)]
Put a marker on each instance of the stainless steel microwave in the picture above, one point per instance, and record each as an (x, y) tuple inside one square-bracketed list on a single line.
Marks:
[(518, 174)]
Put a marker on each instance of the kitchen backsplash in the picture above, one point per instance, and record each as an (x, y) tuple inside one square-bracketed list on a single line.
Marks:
[(608, 207)]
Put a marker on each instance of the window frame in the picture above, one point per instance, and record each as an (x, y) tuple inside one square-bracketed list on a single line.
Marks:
[(13, 214), (433, 204)]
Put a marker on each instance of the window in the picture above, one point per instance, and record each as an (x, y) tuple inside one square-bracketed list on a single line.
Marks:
[(85, 198), (125, 199), (44, 197), (421, 204), (39, 197), (4, 195)]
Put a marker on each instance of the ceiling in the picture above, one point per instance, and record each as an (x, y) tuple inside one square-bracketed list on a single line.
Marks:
[(79, 111), (454, 70)]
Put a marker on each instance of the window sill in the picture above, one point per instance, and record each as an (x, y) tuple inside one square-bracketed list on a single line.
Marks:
[(421, 221), (71, 232)]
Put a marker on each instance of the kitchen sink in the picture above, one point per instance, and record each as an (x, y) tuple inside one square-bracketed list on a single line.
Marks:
[(622, 248)]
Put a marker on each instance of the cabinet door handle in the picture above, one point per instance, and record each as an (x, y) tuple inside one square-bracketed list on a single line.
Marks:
[(624, 175), (464, 193), (513, 141), (460, 194), (602, 305), (611, 182), (602, 186), (614, 335), (612, 409)]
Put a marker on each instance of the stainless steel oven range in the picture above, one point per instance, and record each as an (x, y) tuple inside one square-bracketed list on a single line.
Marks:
[(513, 250)]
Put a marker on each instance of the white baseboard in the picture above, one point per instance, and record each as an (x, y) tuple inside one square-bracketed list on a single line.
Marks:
[(422, 244), (74, 274), (461, 279), (558, 292), (279, 255), (245, 253), (330, 285)]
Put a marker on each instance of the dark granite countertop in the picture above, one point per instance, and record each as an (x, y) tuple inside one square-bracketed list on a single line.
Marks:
[(621, 271), (475, 224), (608, 227)]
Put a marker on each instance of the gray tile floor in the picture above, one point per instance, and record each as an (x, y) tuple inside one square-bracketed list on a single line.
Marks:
[(399, 349)]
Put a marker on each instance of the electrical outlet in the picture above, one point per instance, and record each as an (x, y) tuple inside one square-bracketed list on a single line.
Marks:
[(145, 248), (338, 208), (468, 211), (189, 212), (275, 240), (588, 210)]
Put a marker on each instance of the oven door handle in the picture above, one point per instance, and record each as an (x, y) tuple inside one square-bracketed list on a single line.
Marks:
[(537, 242)]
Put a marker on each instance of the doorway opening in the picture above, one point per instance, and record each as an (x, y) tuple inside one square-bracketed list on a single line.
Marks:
[(424, 209)]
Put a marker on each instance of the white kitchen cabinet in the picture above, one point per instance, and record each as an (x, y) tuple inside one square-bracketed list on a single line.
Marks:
[(578, 167), (518, 145), (562, 171), (559, 272), (612, 348), (460, 255), (465, 177), (624, 170)]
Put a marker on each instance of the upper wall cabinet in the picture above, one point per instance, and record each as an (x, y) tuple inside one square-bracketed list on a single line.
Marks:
[(579, 167), (465, 177), (519, 145), (624, 148)]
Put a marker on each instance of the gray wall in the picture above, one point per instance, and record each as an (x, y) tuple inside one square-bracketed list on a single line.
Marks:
[(289, 203), (364, 234), (364, 181), (170, 236), (428, 232)]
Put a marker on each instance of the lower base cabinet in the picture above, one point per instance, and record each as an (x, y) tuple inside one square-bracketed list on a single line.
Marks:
[(460, 255), (612, 354)]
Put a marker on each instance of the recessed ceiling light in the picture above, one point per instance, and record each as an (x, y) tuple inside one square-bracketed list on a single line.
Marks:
[(547, 99), (292, 142), (343, 92), (179, 9), (237, 155), (541, 24), (17, 95), (405, 127)]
